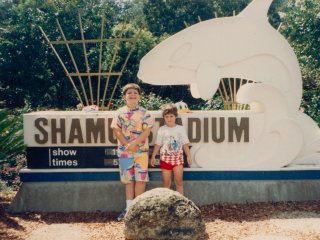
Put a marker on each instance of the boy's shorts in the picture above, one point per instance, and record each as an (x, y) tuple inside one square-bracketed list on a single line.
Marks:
[(134, 167), (167, 166)]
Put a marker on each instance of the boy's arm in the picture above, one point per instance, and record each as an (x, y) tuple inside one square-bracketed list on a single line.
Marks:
[(187, 152), (148, 121), (118, 134), (134, 144), (117, 131)]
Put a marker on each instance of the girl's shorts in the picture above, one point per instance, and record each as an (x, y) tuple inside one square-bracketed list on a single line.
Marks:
[(167, 166)]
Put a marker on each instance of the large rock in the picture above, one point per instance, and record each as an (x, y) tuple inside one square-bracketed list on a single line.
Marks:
[(163, 214)]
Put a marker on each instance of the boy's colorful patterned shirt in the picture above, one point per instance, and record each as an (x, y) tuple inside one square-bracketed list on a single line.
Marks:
[(132, 122)]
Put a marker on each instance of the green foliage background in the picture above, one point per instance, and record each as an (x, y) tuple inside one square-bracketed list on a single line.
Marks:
[(30, 72)]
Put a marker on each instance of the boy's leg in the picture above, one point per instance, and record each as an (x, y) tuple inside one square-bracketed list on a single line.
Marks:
[(130, 191), (141, 172), (178, 178), (127, 177), (126, 166), (139, 188)]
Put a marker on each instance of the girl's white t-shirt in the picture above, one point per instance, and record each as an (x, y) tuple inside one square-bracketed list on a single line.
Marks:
[(171, 139)]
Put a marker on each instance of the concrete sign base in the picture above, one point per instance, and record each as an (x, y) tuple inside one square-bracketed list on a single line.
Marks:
[(81, 192)]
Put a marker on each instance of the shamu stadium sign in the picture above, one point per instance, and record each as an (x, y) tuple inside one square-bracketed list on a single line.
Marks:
[(85, 140)]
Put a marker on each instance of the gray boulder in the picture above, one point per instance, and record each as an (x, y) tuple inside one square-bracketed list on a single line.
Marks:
[(163, 214)]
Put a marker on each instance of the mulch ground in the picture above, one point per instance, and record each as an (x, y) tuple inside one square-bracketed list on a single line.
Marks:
[(223, 221)]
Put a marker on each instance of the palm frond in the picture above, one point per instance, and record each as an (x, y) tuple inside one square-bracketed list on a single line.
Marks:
[(11, 136)]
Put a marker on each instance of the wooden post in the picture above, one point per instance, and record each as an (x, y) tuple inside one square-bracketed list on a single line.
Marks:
[(115, 53), (231, 94), (225, 92), (100, 59), (63, 66), (86, 58), (73, 61), (123, 67)]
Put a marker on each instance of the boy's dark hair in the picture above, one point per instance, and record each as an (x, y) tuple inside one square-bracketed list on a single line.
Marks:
[(131, 86), (169, 108)]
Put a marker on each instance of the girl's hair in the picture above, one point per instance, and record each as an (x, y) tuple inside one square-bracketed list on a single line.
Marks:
[(131, 86), (169, 108)]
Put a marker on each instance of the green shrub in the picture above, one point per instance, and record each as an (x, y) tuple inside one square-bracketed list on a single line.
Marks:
[(311, 104), (12, 147), (215, 103), (150, 102)]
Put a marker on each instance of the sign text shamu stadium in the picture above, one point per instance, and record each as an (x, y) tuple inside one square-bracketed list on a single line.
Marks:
[(79, 131)]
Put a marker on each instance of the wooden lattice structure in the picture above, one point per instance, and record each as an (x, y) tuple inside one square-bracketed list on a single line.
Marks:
[(96, 96), (228, 90)]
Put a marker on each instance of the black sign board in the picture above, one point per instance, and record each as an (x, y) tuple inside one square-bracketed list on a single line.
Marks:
[(73, 157)]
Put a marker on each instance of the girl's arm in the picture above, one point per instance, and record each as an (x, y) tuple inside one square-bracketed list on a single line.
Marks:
[(154, 153), (187, 152)]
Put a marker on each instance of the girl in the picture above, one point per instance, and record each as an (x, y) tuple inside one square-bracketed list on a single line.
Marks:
[(172, 140)]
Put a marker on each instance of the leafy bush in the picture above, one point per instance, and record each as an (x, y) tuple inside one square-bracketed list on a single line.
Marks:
[(150, 102), (10, 172), (215, 103), (4, 187), (12, 147), (311, 104), (11, 136)]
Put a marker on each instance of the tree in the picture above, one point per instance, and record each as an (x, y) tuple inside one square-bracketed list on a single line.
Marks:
[(302, 29), (145, 42), (168, 16), (28, 69)]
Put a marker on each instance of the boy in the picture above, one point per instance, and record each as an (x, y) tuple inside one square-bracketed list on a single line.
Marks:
[(172, 140), (131, 126)]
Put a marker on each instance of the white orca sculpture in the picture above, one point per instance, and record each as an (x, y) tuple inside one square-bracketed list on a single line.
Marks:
[(243, 46)]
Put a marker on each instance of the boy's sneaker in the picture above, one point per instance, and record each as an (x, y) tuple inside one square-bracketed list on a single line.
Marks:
[(121, 216)]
